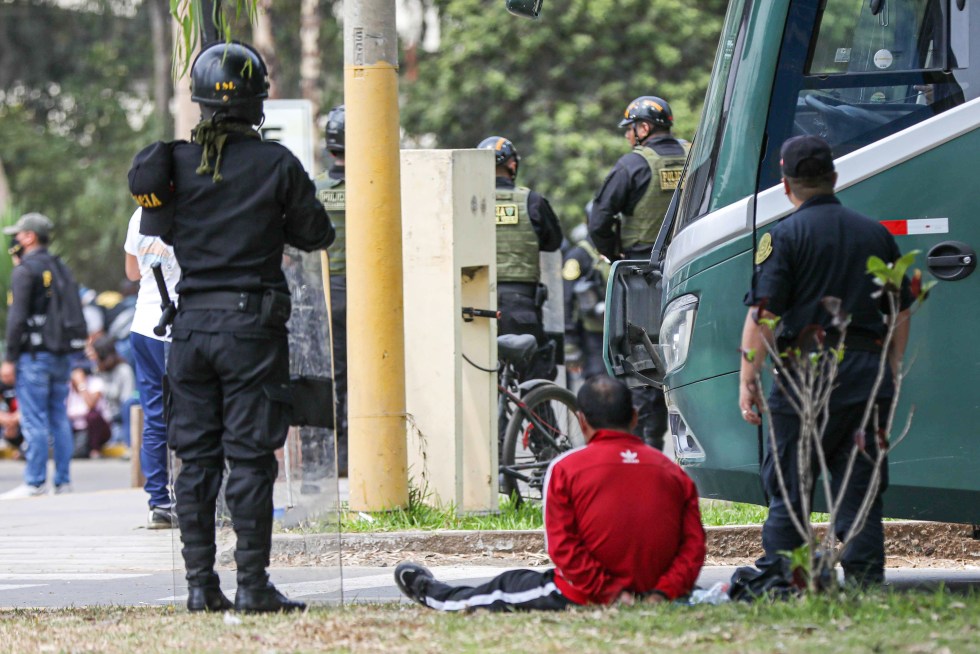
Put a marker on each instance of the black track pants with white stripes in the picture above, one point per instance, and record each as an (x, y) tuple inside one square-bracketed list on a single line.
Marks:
[(515, 590)]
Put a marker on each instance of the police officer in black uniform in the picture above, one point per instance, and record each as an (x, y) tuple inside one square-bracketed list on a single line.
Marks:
[(584, 273), (629, 209), (526, 225), (821, 251), (331, 191), (229, 203)]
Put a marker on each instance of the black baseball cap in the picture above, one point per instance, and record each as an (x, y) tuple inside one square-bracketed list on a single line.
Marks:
[(806, 156), (151, 185)]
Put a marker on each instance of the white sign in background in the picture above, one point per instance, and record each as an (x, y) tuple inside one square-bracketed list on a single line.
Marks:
[(290, 122)]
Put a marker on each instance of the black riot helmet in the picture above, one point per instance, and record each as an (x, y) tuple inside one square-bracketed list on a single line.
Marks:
[(231, 78), (336, 122), (503, 149), (650, 109)]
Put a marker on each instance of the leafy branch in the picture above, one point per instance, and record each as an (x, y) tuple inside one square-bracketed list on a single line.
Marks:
[(806, 373), (193, 17)]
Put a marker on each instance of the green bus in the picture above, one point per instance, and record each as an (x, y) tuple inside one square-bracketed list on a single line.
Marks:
[(894, 87)]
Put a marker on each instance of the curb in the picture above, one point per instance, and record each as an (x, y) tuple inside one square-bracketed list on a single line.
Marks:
[(902, 539)]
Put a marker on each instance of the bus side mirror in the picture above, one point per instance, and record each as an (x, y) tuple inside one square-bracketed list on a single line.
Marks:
[(525, 8)]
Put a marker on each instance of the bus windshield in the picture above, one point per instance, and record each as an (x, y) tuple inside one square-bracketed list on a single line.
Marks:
[(701, 164)]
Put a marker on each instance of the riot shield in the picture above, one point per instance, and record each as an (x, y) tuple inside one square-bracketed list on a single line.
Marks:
[(307, 492), (306, 495)]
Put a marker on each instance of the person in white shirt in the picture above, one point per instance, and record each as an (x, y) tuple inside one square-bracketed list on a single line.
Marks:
[(149, 357)]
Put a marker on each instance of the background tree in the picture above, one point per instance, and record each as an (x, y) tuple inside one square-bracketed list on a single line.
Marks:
[(74, 107), (558, 86), (84, 88)]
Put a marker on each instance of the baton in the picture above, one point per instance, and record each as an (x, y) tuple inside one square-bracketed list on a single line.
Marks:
[(166, 304)]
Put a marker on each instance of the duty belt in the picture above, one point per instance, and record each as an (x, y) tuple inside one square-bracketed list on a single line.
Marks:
[(856, 341), (244, 301), (527, 289)]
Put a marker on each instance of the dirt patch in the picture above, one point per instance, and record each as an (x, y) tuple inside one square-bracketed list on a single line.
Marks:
[(907, 544)]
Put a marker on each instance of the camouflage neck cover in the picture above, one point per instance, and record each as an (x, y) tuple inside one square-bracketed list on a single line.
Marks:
[(211, 135)]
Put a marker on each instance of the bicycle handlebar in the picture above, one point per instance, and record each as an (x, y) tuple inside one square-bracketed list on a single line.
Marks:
[(469, 313)]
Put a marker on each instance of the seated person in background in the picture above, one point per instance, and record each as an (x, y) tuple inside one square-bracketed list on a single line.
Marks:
[(621, 523), (90, 429), (10, 421), (119, 386)]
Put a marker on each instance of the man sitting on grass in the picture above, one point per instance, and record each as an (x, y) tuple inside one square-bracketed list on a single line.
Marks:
[(621, 523)]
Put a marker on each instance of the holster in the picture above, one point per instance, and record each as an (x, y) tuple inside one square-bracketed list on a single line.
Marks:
[(275, 309), (312, 401), (540, 296)]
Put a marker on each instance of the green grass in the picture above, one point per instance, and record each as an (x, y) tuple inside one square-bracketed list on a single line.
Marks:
[(901, 623), (423, 517)]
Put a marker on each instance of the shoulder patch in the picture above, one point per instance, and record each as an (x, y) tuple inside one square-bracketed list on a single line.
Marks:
[(764, 249), (572, 270)]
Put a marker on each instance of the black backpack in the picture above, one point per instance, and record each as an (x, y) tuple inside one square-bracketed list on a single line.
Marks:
[(64, 329)]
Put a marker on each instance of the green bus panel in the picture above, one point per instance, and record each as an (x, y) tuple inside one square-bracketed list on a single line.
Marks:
[(934, 471)]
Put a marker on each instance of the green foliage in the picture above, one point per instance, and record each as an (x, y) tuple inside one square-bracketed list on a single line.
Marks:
[(422, 516), (191, 18), (799, 559), (65, 115), (558, 86)]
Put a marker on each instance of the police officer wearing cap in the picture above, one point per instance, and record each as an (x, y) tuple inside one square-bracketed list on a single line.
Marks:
[(331, 191), (526, 226), (229, 203), (819, 251), (39, 369), (629, 209)]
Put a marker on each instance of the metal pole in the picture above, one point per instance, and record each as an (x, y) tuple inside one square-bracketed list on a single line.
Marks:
[(375, 312)]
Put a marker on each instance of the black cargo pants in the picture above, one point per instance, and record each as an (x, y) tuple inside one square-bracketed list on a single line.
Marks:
[(864, 559), (520, 314), (229, 399)]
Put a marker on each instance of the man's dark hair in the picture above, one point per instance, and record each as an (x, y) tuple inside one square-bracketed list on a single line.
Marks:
[(105, 347), (606, 403)]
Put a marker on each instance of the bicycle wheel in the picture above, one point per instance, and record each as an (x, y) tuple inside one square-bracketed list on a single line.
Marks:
[(541, 429)]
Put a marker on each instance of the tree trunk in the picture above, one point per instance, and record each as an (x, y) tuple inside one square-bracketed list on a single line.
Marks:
[(265, 42), (186, 113), (163, 89), (309, 66), (4, 190)]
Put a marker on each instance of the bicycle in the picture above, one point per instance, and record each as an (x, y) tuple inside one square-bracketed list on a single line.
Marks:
[(540, 418), (536, 419)]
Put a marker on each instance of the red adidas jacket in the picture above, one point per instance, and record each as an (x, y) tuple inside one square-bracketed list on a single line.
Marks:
[(619, 515)]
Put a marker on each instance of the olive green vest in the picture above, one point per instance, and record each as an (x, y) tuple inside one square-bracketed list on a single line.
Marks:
[(592, 323), (648, 215), (331, 193), (517, 242)]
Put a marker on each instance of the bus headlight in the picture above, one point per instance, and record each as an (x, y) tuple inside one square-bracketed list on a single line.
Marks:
[(676, 329)]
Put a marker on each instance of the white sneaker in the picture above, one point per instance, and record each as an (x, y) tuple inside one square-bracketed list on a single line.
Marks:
[(61, 490), (24, 490)]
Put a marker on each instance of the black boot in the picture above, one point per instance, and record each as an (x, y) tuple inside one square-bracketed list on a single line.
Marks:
[(265, 600), (207, 598)]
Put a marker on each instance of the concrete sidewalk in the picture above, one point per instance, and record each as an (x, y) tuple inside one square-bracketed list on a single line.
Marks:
[(102, 527)]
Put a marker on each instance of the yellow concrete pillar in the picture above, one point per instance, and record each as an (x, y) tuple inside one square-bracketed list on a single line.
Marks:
[(375, 315)]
